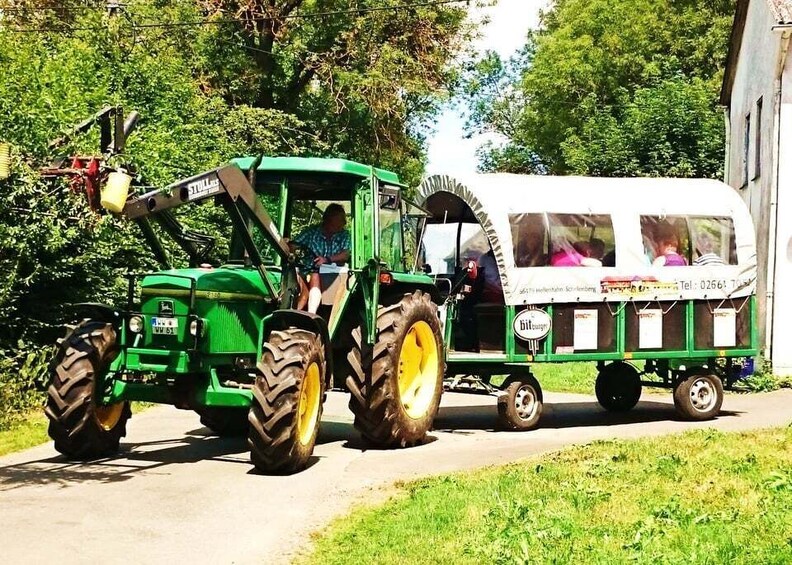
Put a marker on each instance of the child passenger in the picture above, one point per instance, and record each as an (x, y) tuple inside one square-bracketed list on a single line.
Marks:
[(667, 246)]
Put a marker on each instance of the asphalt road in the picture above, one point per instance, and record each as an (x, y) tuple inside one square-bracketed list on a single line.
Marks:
[(176, 493)]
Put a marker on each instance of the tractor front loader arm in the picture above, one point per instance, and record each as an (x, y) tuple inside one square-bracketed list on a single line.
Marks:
[(231, 188)]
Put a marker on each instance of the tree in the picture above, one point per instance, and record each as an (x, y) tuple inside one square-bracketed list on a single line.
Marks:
[(212, 80), (606, 87)]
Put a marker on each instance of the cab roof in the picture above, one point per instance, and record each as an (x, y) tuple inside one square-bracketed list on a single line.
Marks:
[(317, 165)]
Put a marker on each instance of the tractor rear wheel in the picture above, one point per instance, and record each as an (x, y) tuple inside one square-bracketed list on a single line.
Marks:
[(396, 385), (287, 402), (80, 425), (226, 422)]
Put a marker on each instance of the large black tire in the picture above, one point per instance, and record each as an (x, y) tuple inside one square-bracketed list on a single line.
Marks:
[(227, 422), (81, 427), (287, 402), (618, 387), (520, 405), (698, 395), (396, 385)]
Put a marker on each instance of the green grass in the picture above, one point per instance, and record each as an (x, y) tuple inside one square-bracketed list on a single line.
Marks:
[(566, 377), (702, 497), (27, 432)]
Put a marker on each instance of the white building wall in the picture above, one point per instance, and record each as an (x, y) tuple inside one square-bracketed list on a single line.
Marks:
[(781, 347), (756, 78)]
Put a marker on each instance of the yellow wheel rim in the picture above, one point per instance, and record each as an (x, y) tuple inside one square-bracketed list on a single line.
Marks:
[(308, 407), (108, 416), (418, 368)]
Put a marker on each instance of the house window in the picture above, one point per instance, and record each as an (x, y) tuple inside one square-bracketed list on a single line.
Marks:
[(746, 147), (758, 140)]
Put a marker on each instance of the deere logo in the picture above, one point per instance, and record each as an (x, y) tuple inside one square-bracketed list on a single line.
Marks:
[(166, 308)]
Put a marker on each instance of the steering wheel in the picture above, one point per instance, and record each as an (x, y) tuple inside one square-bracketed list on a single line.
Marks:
[(303, 254)]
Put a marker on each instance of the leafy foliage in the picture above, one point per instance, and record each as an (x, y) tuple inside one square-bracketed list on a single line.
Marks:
[(624, 87), (353, 84)]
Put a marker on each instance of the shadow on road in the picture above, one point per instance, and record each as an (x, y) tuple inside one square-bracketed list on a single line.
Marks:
[(196, 445), (200, 445), (559, 415)]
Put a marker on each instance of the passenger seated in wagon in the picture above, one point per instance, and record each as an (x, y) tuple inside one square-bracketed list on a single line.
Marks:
[(666, 243), (573, 255)]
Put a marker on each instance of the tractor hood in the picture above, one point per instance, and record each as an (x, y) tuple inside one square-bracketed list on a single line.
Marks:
[(224, 283)]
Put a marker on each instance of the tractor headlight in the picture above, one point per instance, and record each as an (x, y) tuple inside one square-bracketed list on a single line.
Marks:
[(197, 326), (136, 324)]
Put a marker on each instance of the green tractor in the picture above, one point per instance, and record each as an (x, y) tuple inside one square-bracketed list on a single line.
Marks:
[(224, 338)]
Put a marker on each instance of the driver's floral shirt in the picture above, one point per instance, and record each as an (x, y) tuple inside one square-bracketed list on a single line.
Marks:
[(321, 245)]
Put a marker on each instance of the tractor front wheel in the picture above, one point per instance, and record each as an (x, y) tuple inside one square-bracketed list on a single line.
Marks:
[(396, 384), (287, 402), (80, 425)]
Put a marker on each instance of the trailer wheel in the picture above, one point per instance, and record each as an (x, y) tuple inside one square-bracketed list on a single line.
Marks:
[(520, 406), (287, 402), (396, 385), (618, 387), (226, 422), (698, 395), (81, 427)]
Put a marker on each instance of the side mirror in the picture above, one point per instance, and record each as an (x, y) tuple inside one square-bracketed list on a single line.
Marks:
[(427, 268)]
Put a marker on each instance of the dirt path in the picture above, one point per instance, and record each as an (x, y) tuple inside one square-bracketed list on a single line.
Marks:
[(176, 494)]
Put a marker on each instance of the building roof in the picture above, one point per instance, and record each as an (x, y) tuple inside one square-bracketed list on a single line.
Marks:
[(781, 10)]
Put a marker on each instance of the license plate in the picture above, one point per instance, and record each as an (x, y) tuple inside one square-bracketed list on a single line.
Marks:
[(165, 326)]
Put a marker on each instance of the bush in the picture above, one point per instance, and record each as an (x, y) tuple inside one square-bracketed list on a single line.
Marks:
[(23, 380), (763, 379)]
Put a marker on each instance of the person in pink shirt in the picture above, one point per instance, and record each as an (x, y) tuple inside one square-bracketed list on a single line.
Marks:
[(576, 255)]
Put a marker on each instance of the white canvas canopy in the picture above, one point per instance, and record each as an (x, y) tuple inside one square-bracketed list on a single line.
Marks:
[(497, 201)]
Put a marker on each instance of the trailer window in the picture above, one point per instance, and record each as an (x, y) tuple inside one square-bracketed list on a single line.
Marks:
[(713, 241), (529, 239), (562, 240), (666, 240), (688, 240), (581, 240)]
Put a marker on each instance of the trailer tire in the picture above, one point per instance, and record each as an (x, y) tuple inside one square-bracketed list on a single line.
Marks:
[(287, 402), (225, 422), (520, 406), (618, 387), (82, 428), (698, 395), (396, 385)]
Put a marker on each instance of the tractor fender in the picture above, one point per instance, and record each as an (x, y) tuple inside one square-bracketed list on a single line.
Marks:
[(285, 319), (95, 311)]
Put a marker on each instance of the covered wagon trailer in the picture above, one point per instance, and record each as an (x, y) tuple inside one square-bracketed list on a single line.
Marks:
[(651, 279)]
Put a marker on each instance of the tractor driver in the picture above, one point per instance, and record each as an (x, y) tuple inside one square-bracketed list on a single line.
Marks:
[(329, 243)]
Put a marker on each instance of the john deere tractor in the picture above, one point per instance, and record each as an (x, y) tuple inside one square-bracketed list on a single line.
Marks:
[(224, 339)]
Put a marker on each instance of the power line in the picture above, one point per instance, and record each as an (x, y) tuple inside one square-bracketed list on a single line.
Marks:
[(306, 16)]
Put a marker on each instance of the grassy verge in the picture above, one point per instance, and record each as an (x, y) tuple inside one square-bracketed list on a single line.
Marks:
[(701, 497), (31, 430), (26, 432)]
